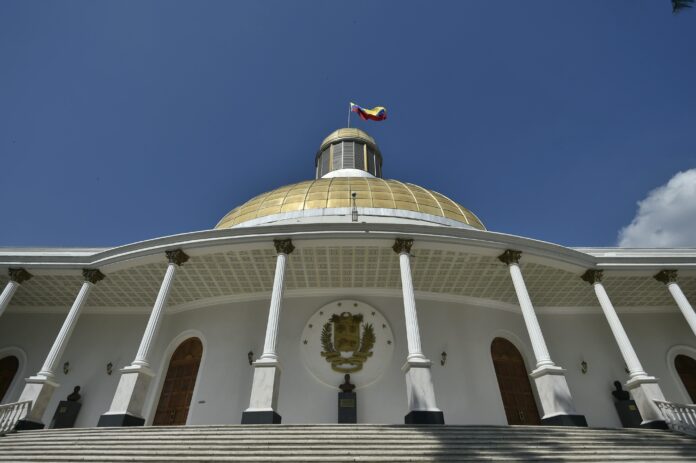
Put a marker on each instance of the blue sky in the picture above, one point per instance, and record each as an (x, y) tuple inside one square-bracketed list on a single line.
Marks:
[(123, 121)]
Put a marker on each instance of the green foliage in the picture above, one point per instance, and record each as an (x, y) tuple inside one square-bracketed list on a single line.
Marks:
[(678, 5), (326, 343), (368, 339)]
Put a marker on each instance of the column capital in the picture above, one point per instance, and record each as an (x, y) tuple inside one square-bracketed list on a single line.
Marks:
[(666, 276), (92, 275), (176, 256), (510, 256), (19, 275), (283, 246), (402, 246), (593, 276)]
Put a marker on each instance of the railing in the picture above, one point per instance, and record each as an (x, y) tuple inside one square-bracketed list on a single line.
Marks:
[(679, 417), (11, 413)]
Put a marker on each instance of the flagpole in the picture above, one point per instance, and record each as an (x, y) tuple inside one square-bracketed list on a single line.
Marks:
[(349, 111)]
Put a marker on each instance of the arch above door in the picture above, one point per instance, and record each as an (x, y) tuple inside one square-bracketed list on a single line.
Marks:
[(179, 383), (686, 369), (513, 381), (9, 365)]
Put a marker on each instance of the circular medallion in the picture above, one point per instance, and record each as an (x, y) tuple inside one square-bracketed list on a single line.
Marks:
[(347, 337)]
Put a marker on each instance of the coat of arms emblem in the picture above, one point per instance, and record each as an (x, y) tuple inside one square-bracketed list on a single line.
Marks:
[(345, 348)]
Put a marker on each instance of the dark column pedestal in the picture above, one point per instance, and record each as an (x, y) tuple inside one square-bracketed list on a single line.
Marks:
[(24, 425), (628, 413), (347, 407), (261, 417), (565, 420), (112, 421), (424, 417), (65, 415)]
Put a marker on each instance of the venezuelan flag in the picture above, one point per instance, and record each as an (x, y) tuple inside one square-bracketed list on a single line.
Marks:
[(378, 113)]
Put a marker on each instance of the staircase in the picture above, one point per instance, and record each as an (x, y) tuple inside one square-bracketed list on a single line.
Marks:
[(343, 443)]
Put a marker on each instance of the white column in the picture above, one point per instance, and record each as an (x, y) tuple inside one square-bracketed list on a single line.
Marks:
[(127, 405), (420, 392), (59, 344), (541, 352), (17, 277), (283, 247), (142, 358), (263, 402), (629, 355), (412, 331), (645, 388), (39, 388), (669, 278), (554, 394)]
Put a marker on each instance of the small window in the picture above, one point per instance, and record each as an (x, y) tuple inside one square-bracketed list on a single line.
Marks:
[(371, 162), (360, 156), (337, 156), (325, 157), (348, 155)]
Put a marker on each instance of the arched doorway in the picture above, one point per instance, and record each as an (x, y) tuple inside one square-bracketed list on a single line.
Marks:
[(177, 391), (513, 381), (8, 369), (686, 367)]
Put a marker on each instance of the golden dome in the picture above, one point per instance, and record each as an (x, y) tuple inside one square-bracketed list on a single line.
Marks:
[(336, 192), (348, 134)]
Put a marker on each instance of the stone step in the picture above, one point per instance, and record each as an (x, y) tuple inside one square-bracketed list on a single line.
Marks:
[(329, 449), (375, 440), (375, 458), (178, 431), (342, 443)]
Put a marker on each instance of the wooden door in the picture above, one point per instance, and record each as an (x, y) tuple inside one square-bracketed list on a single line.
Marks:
[(8, 370), (686, 367), (177, 391), (513, 381)]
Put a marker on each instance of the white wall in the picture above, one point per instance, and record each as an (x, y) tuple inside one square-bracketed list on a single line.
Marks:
[(466, 386)]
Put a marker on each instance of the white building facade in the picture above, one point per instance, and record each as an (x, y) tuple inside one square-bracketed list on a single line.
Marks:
[(436, 319)]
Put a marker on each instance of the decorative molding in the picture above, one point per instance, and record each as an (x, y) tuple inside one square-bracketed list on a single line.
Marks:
[(19, 275), (402, 246), (666, 276), (93, 275), (283, 246), (510, 257), (176, 256), (593, 276)]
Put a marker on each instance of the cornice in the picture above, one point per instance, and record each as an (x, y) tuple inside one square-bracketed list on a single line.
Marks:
[(485, 242)]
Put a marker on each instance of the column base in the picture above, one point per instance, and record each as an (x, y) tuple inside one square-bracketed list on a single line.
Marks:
[(129, 398), (26, 425), (261, 417), (556, 402), (425, 417), (645, 390), (263, 402), (121, 420), (39, 390), (657, 424), (565, 420), (419, 386)]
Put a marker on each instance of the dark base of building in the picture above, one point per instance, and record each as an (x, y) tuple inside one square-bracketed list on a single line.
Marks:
[(424, 417), (261, 417), (657, 424), (25, 425), (114, 421), (565, 420)]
